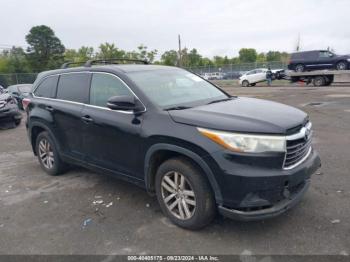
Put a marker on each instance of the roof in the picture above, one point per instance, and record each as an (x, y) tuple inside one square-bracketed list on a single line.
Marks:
[(125, 68)]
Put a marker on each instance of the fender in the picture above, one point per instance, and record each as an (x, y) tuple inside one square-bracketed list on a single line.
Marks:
[(193, 156), (46, 128)]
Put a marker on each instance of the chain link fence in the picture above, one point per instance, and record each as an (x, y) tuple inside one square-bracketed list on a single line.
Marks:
[(231, 71), (14, 79), (236, 69)]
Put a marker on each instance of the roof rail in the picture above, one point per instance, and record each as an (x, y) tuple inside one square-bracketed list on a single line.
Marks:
[(67, 64), (89, 63)]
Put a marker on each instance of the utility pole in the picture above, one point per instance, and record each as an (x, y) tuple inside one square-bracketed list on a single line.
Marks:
[(180, 56), (298, 43)]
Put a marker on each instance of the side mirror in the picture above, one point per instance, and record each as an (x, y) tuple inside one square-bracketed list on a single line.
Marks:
[(126, 103)]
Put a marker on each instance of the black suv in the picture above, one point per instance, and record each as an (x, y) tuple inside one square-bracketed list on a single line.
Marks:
[(176, 135), (318, 59)]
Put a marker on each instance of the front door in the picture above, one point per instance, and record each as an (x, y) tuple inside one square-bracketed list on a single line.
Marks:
[(111, 138), (324, 60)]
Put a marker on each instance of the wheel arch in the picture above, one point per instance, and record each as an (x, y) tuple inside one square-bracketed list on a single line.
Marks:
[(340, 61), (159, 153), (35, 129)]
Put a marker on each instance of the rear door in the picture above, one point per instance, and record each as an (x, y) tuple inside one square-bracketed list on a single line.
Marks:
[(112, 138), (72, 93)]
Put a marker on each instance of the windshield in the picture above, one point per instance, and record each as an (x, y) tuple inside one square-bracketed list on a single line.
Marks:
[(25, 89), (174, 87)]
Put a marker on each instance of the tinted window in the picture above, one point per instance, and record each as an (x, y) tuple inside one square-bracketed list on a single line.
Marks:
[(47, 88), (74, 87), (324, 54), (104, 86)]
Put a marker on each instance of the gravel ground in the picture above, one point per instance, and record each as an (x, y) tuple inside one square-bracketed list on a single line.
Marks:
[(40, 214)]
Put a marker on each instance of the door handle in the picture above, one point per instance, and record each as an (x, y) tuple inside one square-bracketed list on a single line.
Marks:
[(49, 108), (87, 119)]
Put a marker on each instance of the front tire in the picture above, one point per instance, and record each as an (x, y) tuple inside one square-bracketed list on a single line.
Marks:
[(342, 65), (245, 83), (48, 155), (184, 194)]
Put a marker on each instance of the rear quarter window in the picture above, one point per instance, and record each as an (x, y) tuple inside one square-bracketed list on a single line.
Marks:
[(47, 88), (74, 87)]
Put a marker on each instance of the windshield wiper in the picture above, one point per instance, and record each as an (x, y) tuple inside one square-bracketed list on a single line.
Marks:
[(177, 108), (219, 100)]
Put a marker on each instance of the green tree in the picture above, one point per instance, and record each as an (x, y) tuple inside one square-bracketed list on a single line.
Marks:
[(17, 62), (45, 49), (169, 58), (84, 53), (273, 56), (261, 57), (110, 51), (247, 55), (194, 58), (142, 53)]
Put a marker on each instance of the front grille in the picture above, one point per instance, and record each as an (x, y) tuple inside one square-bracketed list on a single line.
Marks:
[(298, 147)]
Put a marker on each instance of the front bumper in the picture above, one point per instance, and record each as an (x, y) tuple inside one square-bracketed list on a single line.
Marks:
[(270, 212), (10, 113), (256, 189)]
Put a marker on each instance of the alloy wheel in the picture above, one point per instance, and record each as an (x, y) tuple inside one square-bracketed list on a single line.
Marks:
[(341, 66), (178, 195), (299, 68), (46, 153)]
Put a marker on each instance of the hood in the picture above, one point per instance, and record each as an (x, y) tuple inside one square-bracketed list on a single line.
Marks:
[(343, 56), (242, 114)]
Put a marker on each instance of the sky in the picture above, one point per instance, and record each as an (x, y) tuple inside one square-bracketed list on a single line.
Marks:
[(219, 27)]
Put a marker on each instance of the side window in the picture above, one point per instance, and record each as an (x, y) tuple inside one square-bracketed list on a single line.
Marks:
[(74, 87), (47, 88), (104, 86), (323, 54)]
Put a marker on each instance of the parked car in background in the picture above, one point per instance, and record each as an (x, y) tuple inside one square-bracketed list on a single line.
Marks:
[(213, 76), (318, 59), (251, 78), (9, 111), (19, 92), (195, 147), (231, 75)]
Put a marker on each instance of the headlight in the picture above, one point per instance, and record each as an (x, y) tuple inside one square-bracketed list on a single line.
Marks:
[(348, 59), (246, 143)]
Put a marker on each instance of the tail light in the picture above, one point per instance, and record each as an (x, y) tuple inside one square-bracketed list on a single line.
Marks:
[(25, 103)]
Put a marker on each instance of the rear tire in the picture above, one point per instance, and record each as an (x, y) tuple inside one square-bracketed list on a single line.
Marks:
[(245, 83), (48, 156), (342, 65), (319, 81), (299, 68), (184, 194)]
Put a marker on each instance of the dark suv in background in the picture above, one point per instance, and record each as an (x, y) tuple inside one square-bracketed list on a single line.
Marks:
[(318, 59), (175, 134)]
